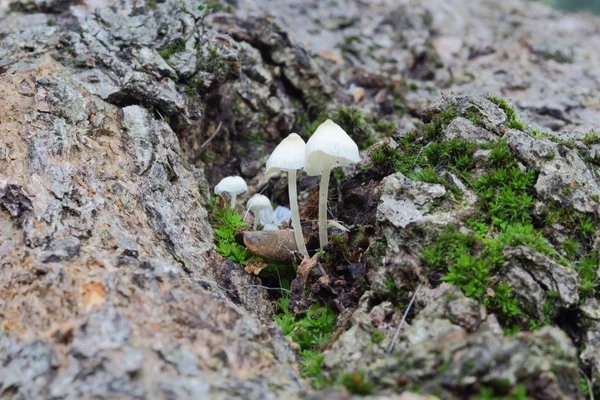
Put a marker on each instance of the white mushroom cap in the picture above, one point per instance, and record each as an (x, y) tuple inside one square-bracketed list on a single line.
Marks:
[(329, 140), (288, 155), (232, 185), (258, 202)]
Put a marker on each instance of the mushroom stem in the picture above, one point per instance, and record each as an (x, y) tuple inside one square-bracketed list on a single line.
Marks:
[(255, 220), (233, 197), (323, 193), (297, 227)]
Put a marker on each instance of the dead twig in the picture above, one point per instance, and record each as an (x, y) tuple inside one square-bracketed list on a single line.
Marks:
[(589, 383), (207, 142), (403, 320)]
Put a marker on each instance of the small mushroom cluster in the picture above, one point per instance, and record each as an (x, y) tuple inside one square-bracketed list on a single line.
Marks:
[(329, 147)]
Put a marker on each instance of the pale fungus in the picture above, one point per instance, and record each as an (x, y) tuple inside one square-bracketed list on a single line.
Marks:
[(233, 185), (329, 147), (289, 156)]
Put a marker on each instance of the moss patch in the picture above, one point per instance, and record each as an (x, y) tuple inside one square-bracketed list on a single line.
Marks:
[(311, 332), (511, 115), (505, 216), (167, 51), (226, 223)]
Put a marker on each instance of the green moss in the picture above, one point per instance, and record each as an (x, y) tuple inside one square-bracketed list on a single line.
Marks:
[(505, 202), (518, 125), (452, 153), (428, 175), (591, 138), (14, 7), (473, 114), (594, 160), (347, 47), (212, 6), (500, 153), (80, 64), (570, 248), (312, 367), (338, 240), (70, 51), (377, 336), (504, 195), (486, 393), (510, 112), (177, 46), (586, 268), (517, 234), (208, 158), (449, 242), (385, 158), (257, 138), (433, 129), (356, 383), (390, 284), (511, 115), (212, 62), (310, 332), (470, 261), (536, 133), (574, 221), (504, 301), (421, 154), (469, 273), (195, 86), (226, 223)]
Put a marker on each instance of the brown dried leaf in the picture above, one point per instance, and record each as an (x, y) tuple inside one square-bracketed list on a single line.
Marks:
[(254, 266), (333, 56), (298, 285)]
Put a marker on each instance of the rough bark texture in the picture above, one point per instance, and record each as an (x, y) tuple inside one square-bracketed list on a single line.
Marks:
[(110, 287)]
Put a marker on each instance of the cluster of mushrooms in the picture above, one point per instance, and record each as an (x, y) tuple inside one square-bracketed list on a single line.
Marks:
[(329, 147)]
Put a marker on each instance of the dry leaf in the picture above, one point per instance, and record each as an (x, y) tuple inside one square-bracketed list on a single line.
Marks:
[(333, 56), (298, 285), (254, 266)]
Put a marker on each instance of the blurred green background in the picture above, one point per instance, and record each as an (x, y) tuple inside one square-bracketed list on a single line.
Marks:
[(576, 5)]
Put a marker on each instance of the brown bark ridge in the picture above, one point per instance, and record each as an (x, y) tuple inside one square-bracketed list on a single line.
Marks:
[(109, 284)]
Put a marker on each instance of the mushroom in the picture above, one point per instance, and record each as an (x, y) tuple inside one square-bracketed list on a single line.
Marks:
[(255, 204), (277, 217), (329, 147), (233, 185), (289, 156)]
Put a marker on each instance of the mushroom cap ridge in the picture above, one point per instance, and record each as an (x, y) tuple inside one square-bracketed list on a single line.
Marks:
[(329, 139), (288, 155), (258, 202), (231, 184)]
